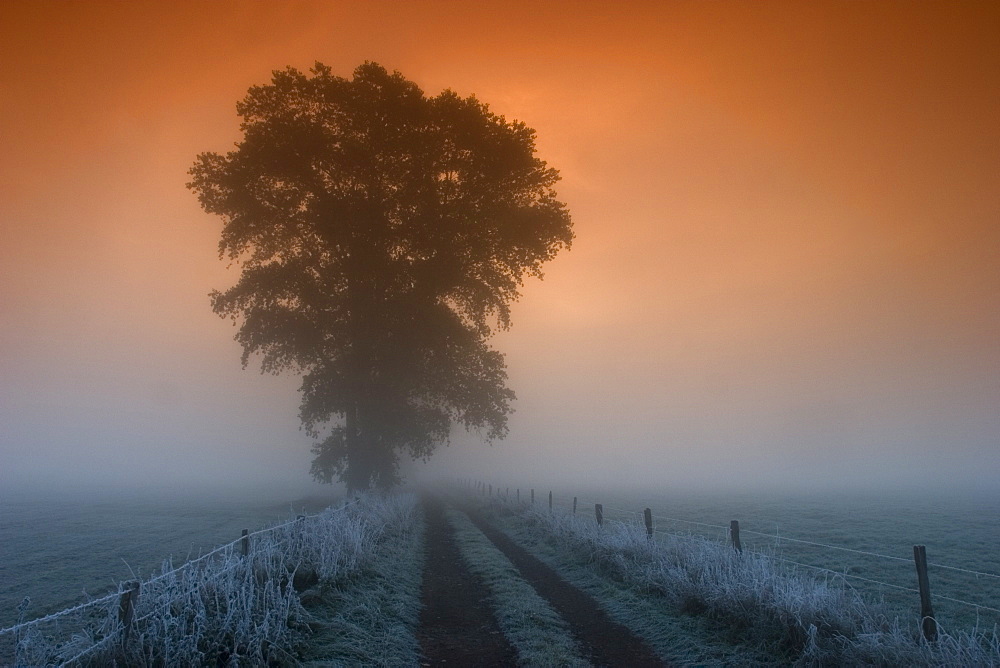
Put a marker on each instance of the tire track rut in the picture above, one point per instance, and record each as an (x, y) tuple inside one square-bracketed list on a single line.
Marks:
[(457, 625)]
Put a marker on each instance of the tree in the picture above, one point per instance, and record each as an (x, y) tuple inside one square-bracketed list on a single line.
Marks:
[(382, 236)]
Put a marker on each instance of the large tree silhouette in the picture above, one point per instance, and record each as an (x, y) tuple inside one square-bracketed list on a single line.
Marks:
[(382, 236)]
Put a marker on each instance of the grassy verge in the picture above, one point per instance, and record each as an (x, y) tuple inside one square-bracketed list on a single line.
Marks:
[(227, 608), (538, 633), (370, 618), (763, 610), (678, 638)]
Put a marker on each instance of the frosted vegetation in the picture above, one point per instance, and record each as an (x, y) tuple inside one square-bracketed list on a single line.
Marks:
[(343, 588), (369, 618), (787, 612), (224, 608)]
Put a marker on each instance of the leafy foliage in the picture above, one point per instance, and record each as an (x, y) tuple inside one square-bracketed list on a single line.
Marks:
[(382, 235)]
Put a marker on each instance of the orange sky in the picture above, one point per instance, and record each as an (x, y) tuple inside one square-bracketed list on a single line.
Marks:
[(787, 218)]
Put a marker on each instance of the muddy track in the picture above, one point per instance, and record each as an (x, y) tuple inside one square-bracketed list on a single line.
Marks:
[(606, 642), (457, 625)]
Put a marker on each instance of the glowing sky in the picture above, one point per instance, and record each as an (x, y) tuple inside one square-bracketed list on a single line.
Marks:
[(787, 264)]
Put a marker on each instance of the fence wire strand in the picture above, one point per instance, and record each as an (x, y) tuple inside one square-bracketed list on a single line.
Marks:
[(703, 524), (188, 564), (845, 575), (974, 605), (679, 535), (780, 538), (56, 615), (90, 649), (964, 570)]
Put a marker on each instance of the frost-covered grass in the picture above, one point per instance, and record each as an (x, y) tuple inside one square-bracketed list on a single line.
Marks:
[(776, 608), (370, 618), (678, 638), (539, 635), (226, 608)]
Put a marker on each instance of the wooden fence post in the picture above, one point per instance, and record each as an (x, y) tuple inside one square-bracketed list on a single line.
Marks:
[(648, 516), (599, 513), (574, 505), (245, 542), (126, 608), (927, 621), (519, 495), (550, 500), (734, 531), (532, 496), (491, 489)]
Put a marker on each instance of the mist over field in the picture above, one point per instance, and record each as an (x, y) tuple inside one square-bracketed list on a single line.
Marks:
[(783, 277)]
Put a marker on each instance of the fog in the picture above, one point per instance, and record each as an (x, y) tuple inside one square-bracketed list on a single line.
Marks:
[(784, 276)]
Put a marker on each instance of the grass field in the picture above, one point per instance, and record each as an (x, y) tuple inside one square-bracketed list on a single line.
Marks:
[(347, 590)]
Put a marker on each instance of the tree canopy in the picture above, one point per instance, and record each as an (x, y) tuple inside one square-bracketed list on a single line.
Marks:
[(382, 235)]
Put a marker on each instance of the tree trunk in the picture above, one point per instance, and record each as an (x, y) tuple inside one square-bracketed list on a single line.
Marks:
[(357, 475)]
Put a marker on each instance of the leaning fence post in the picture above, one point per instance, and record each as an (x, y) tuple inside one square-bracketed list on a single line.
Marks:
[(734, 531), (927, 621), (648, 516), (245, 542), (599, 513), (126, 608), (550, 500), (574, 505)]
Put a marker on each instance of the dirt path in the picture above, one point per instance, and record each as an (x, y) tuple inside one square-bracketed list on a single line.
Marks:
[(606, 642), (457, 626)]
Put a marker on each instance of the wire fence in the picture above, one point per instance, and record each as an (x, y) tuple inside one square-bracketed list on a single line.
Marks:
[(101, 614), (773, 548), (116, 595)]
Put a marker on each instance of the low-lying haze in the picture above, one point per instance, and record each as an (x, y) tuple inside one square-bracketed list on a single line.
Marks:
[(785, 270)]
